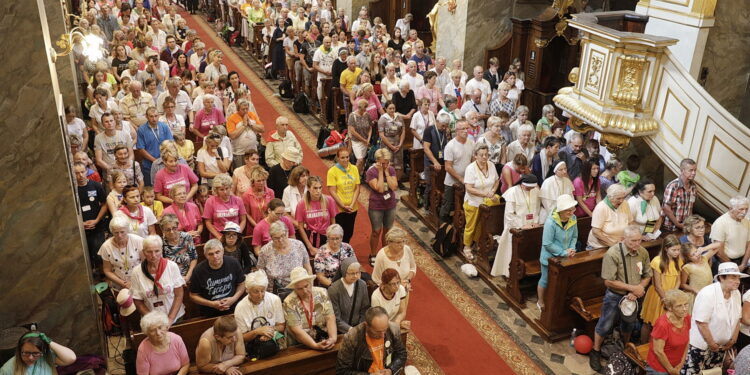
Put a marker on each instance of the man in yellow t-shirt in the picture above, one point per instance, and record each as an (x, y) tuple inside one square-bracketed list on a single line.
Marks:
[(349, 79), (343, 184)]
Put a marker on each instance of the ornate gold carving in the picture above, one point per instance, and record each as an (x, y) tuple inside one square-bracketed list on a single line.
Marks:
[(604, 121), (614, 142), (573, 75), (541, 43), (628, 90), (593, 78)]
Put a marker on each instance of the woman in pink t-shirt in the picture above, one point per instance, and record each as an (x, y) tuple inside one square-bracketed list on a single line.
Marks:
[(314, 214), (206, 118), (162, 352), (173, 174), (223, 206), (261, 234), (256, 198), (188, 214)]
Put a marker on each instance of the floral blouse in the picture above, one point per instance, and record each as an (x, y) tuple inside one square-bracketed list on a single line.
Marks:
[(295, 316), (279, 266), (328, 263), (183, 253)]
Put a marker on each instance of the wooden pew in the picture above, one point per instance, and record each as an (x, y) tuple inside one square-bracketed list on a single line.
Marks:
[(436, 198), (579, 277), (525, 253), (326, 91), (416, 161), (189, 331), (637, 354), (459, 217), (492, 219)]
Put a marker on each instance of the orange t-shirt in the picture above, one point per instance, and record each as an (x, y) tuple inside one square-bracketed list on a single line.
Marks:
[(376, 347), (235, 119)]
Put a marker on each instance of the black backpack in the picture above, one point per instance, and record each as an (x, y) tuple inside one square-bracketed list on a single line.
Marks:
[(285, 89), (445, 243), (324, 133), (301, 103)]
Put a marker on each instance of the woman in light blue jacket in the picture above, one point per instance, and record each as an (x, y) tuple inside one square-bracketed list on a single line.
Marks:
[(559, 239)]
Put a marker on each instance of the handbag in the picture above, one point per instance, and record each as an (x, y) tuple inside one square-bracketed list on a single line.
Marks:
[(280, 289), (257, 348)]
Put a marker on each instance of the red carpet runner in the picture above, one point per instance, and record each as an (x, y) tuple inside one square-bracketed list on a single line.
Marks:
[(449, 338)]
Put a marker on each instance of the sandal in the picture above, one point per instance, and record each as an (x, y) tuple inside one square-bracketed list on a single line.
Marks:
[(467, 254)]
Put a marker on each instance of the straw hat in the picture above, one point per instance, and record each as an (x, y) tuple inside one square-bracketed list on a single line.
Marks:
[(292, 154), (299, 274)]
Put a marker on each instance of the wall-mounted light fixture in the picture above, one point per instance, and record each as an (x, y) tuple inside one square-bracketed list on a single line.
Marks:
[(92, 45)]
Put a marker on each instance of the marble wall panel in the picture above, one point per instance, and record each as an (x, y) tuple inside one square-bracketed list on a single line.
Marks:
[(487, 23), (43, 273), (65, 74), (727, 55)]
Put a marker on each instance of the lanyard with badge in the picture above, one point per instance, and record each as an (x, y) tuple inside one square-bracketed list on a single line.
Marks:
[(441, 142), (309, 315), (527, 200)]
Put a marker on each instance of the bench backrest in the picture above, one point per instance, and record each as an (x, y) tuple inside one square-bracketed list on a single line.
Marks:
[(577, 276), (527, 243), (190, 332)]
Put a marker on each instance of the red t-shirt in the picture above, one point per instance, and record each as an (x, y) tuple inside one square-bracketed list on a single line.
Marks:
[(165, 180), (675, 341)]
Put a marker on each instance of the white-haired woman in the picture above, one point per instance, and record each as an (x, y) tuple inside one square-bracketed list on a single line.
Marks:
[(327, 263), (522, 118), (121, 254), (544, 125), (162, 352), (281, 255), (610, 218), (524, 144), (553, 187), (157, 283), (405, 100), (390, 83), (223, 207), (206, 118), (260, 303), (481, 181), (397, 255)]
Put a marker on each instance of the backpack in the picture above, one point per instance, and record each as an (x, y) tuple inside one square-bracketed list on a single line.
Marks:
[(323, 134), (110, 313), (233, 39), (301, 103), (444, 243), (619, 364), (285, 89)]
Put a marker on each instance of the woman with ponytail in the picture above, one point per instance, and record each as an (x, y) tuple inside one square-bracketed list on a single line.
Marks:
[(314, 214), (157, 282)]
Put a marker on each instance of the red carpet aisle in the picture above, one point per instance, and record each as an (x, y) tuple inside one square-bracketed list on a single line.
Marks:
[(453, 328)]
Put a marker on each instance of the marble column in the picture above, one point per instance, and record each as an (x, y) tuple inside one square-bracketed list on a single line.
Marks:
[(44, 272), (727, 57), (451, 32)]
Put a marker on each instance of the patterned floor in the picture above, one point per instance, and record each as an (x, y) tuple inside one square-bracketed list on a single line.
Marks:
[(552, 358)]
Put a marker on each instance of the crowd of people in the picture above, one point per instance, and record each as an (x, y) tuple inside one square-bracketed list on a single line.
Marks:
[(174, 157)]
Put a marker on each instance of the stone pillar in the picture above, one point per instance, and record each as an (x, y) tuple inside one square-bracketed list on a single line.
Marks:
[(44, 272), (487, 22), (66, 75), (688, 21), (451, 32)]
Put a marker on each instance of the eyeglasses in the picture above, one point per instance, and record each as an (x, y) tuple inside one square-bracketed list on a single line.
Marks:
[(31, 354), (173, 229)]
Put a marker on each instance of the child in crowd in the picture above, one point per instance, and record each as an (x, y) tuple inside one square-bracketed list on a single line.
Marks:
[(696, 273), (202, 197), (185, 148), (666, 276), (91, 173), (114, 198), (149, 200)]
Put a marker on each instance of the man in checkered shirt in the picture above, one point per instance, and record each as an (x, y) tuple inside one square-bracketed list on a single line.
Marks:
[(679, 196)]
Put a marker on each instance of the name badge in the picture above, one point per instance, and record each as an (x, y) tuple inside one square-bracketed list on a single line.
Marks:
[(387, 196), (86, 208), (440, 154), (529, 217)]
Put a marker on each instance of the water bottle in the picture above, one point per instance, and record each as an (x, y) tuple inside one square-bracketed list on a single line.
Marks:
[(572, 337)]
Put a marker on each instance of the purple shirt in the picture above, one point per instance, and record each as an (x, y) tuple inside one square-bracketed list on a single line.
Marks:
[(381, 201)]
